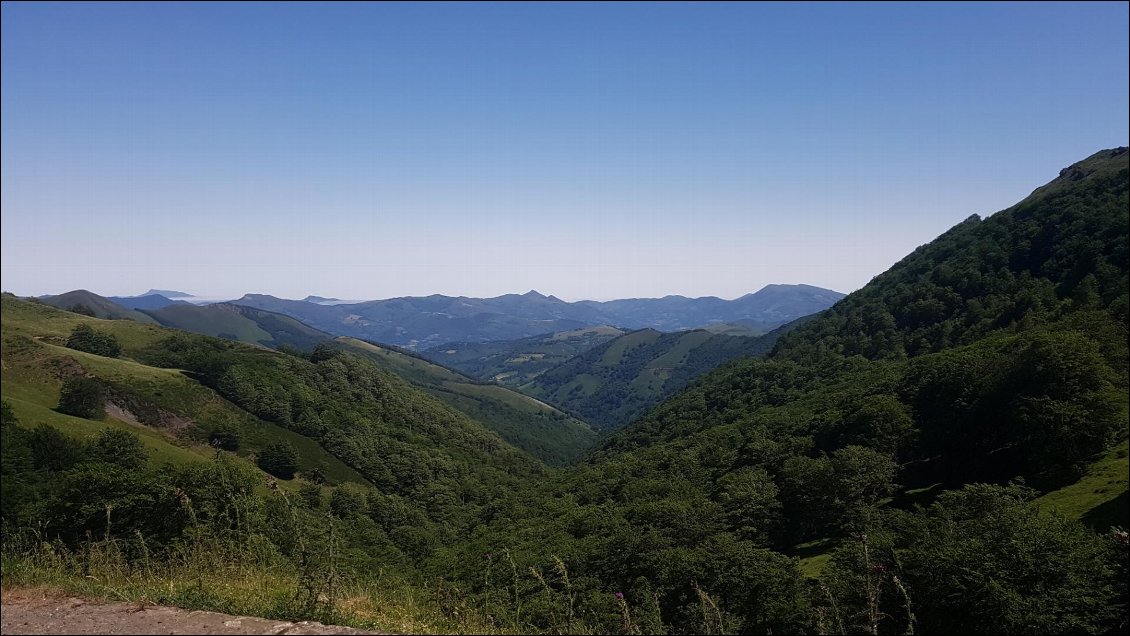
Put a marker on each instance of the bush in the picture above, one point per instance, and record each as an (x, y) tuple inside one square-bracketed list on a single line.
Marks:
[(279, 459), (52, 450), (225, 437), (85, 338), (82, 309), (347, 502), (115, 446), (82, 397)]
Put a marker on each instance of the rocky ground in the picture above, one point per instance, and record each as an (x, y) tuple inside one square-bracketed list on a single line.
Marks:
[(46, 612)]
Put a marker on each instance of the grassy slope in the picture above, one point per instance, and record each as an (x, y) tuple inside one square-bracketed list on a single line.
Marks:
[(102, 307), (212, 321), (32, 342), (245, 324), (1099, 498), (533, 426)]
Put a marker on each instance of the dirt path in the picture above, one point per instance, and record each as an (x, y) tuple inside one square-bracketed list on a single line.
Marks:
[(47, 612)]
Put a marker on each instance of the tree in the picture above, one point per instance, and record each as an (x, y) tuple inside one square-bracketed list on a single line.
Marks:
[(749, 498), (311, 495), (80, 308), (984, 559), (347, 502), (279, 459), (82, 397), (85, 338), (226, 437), (115, 446), (52, 450)]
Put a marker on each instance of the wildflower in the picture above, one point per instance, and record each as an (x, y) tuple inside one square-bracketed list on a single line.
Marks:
[(619, 596)]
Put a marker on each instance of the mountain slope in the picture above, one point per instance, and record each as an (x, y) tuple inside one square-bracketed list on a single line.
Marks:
[(1041, 284), (174, 414), (886, 403), (529, 424), (148, 301), (516, 362), (614, 383), (1065, 243), (435, 467), (245, 324), (99, 306), (765, 309)]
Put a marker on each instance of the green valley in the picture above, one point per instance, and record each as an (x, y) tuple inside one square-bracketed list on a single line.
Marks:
[(942, 451), (517, 362), (529, 424), (616, 382)]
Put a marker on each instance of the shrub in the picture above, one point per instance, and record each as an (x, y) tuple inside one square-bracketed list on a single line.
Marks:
[(82, 397), (279, 459), (85, 338), (115, 446), (225, 437)]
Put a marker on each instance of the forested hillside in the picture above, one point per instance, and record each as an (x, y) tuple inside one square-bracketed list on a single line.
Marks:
[(614, 383), (541, 430), (983, 370), (517, 362), (328, 416)]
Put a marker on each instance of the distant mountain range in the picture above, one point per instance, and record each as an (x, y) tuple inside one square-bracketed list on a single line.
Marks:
[(764, 310), (425, 322)]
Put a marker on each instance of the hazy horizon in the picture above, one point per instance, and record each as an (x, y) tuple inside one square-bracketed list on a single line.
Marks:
[(367, 151)]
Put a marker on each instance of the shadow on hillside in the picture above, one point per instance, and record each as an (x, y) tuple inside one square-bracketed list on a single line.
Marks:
[(1115, 512)]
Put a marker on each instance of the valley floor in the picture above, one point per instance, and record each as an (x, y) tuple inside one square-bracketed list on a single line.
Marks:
[(47, 611)]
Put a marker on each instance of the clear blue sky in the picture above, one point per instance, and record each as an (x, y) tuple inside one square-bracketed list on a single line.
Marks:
[(589, 151)]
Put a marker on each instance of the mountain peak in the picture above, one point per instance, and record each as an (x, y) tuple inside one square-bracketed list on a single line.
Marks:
[(533, 293), (167, 293)]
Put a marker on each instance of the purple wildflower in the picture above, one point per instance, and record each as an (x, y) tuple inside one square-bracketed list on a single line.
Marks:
[(619, 596)]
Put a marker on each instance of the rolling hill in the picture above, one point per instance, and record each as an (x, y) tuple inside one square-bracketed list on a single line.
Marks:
[(235, 322), (613, 383), (348, 420), (174, 414), (98, 306), (517, 362), (540, 429), (529, 424)]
